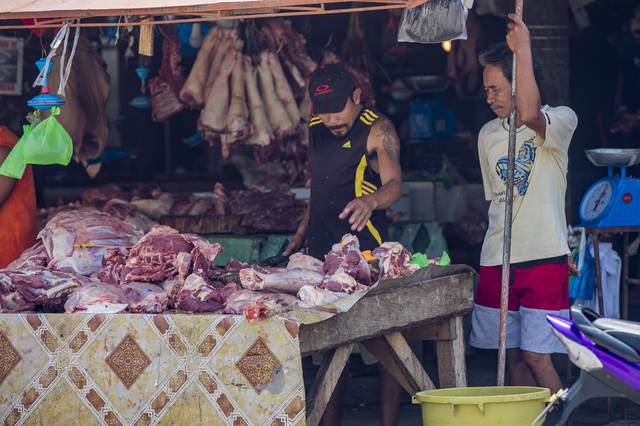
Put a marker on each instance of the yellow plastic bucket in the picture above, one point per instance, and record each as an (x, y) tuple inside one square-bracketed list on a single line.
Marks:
[(491, 405)]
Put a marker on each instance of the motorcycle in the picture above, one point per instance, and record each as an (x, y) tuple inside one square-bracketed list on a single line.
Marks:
[(606, 351)]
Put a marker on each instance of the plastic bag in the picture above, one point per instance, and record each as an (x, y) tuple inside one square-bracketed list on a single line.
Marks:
[(581, 287), (14, 165), (48, 142), (434, 22)]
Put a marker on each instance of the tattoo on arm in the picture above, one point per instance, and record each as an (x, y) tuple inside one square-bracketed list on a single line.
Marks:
[(390, 141)]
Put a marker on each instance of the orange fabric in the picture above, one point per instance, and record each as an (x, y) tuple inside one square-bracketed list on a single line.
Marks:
[(18, 221)]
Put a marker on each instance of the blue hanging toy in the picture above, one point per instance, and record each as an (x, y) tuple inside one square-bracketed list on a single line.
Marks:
[(45, 100), (142, 101)]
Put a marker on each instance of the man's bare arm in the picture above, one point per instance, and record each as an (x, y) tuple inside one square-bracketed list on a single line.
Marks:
[(384, 140), (527, 91), (386, 143), (298, 239)]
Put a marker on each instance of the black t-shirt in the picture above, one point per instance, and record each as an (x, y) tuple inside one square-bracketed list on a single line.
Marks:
[(340, 172)]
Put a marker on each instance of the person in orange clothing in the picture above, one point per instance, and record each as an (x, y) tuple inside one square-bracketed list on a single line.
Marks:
[(18, 221)]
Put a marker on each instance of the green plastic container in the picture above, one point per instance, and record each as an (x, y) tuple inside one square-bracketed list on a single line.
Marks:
[(491, 405)]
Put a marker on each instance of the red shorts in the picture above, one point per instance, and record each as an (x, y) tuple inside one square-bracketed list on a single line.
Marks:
[(534, 285), (536, 289)]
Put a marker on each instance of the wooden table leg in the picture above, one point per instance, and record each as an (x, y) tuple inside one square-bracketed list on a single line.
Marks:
[(395, 354), (325, 382), (625, 276), (596, 255), (452, 368)]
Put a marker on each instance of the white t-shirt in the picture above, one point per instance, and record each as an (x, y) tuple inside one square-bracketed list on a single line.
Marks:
[(539, 228)]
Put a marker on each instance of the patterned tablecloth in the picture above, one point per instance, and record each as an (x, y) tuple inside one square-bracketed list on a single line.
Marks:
[(138, 369)]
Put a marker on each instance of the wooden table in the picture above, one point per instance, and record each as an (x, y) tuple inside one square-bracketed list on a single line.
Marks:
[(625, 231), (429, 305)]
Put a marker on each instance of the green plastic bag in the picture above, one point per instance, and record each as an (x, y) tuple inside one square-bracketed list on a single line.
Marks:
[(14, 165), (444, 259), (421, 260), (48, 142)]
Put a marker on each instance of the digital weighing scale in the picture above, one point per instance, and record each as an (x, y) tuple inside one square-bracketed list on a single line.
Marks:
[(613, 201)]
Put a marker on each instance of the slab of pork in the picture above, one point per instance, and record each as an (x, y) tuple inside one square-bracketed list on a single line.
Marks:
[(347, 255), (159, 256), (256, 305), (37, 285), (288, 281), (145, 298), (197, 295), (97, 298), (66, 233), (303, 261), (315, 296), (394, 260), (340, 281), (36, 255)]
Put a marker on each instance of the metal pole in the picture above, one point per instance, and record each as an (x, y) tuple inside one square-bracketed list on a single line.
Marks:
[(506, 245)]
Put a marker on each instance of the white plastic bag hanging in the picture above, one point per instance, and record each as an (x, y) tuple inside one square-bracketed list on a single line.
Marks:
[(434, 22)]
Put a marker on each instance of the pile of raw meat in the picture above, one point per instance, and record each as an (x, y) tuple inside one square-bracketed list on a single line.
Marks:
[(90, 261), (264, 211)]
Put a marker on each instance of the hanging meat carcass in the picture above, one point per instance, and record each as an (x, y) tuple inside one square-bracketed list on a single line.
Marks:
[(214, 115), (192, 93), (275, 110), (263, 132), (165, 87), (283, 90), (227, 39), (237, 123)]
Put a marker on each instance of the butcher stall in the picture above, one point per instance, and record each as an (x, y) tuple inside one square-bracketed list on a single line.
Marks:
[(154, 332), (173, 368), (143, 305)]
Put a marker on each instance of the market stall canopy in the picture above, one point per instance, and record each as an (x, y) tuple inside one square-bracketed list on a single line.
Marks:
[(51, 12)]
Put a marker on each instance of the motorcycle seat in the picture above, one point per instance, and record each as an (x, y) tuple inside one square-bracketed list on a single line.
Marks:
[(626, 331)]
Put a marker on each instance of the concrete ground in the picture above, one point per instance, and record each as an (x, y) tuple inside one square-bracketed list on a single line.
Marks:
[(362, 400)]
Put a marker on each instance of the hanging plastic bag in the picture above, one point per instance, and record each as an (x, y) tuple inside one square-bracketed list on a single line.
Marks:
[(434, 22), (14, 165), (581, 286), (48, 142)]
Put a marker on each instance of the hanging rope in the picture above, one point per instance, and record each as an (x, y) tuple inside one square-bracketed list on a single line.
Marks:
[(65, 69)]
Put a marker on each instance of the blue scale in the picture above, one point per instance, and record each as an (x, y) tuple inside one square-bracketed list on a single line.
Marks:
[(613, 201)]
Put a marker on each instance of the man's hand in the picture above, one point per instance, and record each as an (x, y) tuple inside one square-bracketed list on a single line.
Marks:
[(573, 270), (360, 210), (297, 242), (517, 34)]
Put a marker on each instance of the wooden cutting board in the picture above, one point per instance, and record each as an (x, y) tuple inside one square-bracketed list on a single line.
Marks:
[(229, 224)]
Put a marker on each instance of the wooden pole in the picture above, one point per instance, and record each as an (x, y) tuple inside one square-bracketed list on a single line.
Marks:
[(506, 245)]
